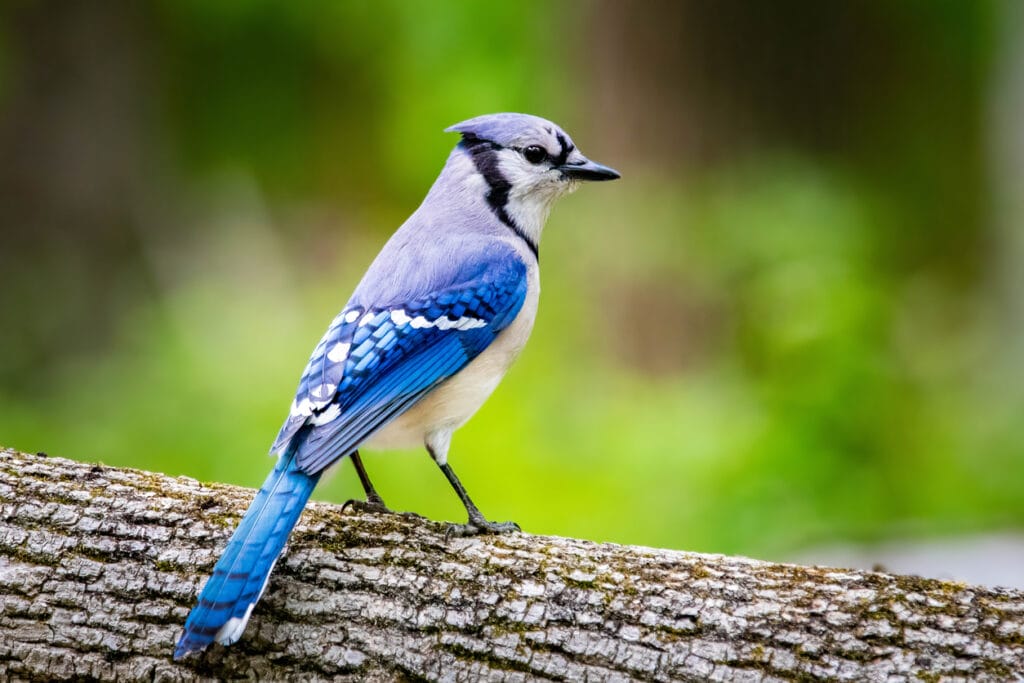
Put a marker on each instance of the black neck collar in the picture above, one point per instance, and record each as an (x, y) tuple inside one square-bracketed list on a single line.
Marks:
[(484, 154)]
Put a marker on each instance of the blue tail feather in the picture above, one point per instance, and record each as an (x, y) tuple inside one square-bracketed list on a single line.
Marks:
[(242, 571)]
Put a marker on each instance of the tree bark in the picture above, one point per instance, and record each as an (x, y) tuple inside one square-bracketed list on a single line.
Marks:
[(100, 565)]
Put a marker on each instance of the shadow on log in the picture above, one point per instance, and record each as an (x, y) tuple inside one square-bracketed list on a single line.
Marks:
[(100, 565)]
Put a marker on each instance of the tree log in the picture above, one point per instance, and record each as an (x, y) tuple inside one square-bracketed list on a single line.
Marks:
[(100, 565)]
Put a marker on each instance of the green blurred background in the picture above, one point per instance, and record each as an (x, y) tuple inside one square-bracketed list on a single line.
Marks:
[(795, 321)]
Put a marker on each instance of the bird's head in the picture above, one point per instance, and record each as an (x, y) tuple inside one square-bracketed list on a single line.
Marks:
[(527, 163)]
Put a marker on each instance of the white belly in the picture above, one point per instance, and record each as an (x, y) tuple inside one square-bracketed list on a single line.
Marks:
[(452, 403)]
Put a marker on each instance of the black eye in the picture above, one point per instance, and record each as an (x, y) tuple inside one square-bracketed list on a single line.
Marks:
[(535, 154)]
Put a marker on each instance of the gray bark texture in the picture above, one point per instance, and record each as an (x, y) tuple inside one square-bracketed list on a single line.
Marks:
[(100, 565)]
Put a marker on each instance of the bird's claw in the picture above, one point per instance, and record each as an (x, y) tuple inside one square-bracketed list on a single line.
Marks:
[(480, 526), (375, 507)]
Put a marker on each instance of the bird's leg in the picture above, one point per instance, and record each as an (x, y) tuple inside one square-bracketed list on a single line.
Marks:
[(371, 493), (373, 502), (477, 523)]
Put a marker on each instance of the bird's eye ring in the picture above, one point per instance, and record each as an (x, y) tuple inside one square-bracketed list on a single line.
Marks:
[(535, 154)]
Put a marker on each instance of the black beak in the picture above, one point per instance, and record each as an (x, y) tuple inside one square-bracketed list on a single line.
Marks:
[(588, 170)]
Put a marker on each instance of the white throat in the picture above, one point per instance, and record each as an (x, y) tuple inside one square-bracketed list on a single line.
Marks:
[(532, 194)]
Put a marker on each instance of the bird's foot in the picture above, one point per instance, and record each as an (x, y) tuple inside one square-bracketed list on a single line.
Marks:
[(475, 527), (373, 504)]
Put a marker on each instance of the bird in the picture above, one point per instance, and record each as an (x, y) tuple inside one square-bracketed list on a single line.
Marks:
[(430, 331)]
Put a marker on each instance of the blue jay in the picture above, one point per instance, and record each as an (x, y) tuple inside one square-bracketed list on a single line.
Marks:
[(431, 329)]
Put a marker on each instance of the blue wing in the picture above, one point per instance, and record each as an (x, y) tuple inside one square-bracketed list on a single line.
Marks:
[(374, 363)]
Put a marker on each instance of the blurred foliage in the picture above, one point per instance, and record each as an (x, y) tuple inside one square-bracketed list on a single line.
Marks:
[(348, 91), (779, 329)]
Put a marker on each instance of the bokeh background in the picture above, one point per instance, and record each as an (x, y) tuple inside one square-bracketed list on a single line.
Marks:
[(796, 323)]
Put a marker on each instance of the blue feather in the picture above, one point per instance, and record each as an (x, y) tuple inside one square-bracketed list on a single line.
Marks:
[(386, 399), (396, 355), (378, 377), (242, 571)]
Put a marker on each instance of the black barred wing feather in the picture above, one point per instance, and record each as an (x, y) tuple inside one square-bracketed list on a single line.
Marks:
[(374, 364)]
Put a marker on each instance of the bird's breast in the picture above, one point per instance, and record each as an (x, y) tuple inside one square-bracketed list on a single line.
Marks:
[(456, 399)]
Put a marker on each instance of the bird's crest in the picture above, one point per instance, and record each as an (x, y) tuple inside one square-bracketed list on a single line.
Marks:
[(511, 130)]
